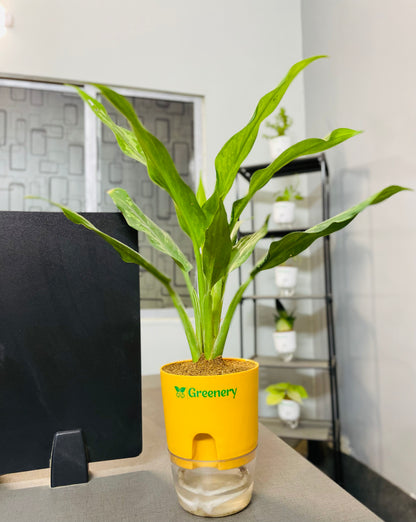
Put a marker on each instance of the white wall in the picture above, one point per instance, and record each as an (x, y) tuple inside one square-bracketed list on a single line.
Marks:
[(229, 52), (369, 83)]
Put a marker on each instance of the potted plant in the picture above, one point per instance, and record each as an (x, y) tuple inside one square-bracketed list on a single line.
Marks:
[(284, 337), (286, 277), (288, 398), (284, 205), (278, 139), (212, 421)]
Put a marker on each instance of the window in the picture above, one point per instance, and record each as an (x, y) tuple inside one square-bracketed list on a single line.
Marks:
[(54, 147)]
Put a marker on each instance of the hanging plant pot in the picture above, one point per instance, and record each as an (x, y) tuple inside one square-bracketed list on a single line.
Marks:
[(212, 428), (277, 145), (286, 279), (283, 212), (285, 344), (289, 412)]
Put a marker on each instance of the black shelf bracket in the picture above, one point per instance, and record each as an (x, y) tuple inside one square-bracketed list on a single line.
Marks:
[(69, 464)]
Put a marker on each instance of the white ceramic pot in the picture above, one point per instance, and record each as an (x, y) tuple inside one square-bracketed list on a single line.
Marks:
[(278, 145), (286, 278), (283, 212), (289, 412), (285, 344)]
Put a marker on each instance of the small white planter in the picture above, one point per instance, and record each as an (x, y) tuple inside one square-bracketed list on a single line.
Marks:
[(285, 344), (278, 145), (283, 212), (289, 412), (286, 278)]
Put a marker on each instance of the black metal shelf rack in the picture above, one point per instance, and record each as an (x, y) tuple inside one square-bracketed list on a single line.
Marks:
[(322, 430)]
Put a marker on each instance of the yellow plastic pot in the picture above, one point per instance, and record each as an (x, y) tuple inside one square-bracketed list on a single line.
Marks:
[(211, 418)]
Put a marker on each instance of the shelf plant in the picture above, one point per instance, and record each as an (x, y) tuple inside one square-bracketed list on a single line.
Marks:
[(286, 277), (290, 193), (282, 122), (284, 336), (283, 209), (216, 419), (285, 390), (284, 320), (278, 139), (287, 397)]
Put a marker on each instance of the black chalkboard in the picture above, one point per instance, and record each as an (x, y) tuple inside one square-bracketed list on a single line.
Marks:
[(69, 339)]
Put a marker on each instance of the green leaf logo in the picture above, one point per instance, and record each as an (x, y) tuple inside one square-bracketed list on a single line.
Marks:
[(180, 392)]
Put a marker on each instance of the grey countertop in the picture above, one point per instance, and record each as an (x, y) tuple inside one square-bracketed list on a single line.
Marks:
[(287, 488)]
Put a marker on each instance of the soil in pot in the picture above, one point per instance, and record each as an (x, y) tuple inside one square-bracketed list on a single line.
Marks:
[(218, 366)]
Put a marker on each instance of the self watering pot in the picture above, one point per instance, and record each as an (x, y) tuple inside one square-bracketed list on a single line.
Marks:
[(289, 412), (212, 429), (283, 212), (278, 144), (285, 344), (286, 278)]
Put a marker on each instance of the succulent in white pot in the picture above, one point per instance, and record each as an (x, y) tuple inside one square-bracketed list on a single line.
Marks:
[(279, 141), (286, 277), (288, 398), (284, 337), (284, 205)]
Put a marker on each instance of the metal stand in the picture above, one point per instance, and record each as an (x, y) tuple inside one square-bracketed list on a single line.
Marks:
[(69, 464), (333, 434)]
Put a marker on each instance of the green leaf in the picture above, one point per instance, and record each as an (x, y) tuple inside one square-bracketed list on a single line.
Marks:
[(294, 395), (234, 231), (280, 386), (225, 325), (162, 171), (310, 146), (296, 392), (157, 237), (235, 151), (217, 247), (284, 325), (200, 194), (296, 242), (275, 398), (244, 247), (301, 390), (126, 139)]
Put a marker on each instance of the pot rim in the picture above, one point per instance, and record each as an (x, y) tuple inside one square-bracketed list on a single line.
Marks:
[(285, 202), (285, 267), (217, 376), (289, 400)]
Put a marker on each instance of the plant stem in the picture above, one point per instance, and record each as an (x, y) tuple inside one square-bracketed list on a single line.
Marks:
[(189, 330), (225, 327), (202, 291), (197, 309), (208, 326), (216, 310)]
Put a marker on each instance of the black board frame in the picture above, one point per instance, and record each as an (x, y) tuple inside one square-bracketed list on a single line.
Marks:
[(69, 339)]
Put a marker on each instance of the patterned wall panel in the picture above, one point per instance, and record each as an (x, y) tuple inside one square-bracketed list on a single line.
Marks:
[(172, 122), (41, 148)]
